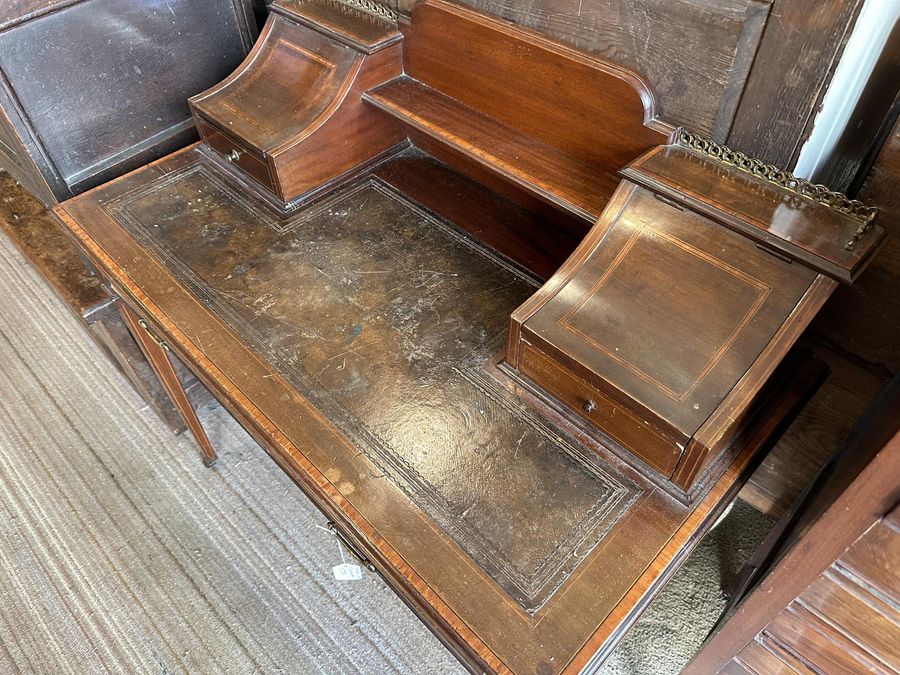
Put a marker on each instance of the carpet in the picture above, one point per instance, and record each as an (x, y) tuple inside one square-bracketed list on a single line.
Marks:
[(120, 552)]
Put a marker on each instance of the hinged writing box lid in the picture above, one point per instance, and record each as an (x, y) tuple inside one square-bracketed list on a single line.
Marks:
[(308, 55), (821, 228), (676, 308)]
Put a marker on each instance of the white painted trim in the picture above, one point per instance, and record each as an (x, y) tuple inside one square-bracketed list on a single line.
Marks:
[(866, 43)]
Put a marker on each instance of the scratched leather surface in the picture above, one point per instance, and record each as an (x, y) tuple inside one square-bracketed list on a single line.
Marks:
[(383, 316)]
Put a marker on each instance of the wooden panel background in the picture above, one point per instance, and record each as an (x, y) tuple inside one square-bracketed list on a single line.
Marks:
[(865, 319), (799, 51), (751, 73), (696, 53)]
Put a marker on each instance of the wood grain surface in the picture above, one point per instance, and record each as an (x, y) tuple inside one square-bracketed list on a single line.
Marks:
[(696, 54), (797, 56), (750, 72), (476, 610)]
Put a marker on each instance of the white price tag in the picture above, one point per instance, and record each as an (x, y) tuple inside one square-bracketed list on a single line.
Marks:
[(347, 572)]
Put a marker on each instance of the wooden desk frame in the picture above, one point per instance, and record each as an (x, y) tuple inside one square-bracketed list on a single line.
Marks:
[(473, 147)]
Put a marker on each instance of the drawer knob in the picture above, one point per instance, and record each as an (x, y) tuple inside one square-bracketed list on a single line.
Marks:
[(234, 156), (589, 406)]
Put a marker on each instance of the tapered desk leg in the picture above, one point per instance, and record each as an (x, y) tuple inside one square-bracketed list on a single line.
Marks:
[(156, 352)]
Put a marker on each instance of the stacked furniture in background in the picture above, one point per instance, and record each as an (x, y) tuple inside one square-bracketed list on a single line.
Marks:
[(828, 602), (90, 90)]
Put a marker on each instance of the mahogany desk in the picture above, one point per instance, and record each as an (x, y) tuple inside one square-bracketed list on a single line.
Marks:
[(358, 322), (346, 352)]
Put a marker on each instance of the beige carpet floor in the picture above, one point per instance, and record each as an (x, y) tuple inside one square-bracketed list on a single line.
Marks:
[(121, 553)]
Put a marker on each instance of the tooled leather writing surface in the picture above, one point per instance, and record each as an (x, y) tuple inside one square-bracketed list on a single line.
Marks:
[(383, 316)]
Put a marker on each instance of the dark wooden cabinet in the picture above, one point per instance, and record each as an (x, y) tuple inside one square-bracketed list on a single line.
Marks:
[(95, 88)]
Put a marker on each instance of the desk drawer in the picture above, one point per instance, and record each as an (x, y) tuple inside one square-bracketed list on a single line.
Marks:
[(600, 410), (238, 154)]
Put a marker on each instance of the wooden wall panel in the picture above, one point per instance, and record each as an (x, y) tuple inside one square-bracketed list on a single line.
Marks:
[(751, 73), (696, 53), (796, 60), (864, 319)]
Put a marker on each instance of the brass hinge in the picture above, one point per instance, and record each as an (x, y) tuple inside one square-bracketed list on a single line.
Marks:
[(149, 331), (361, 559)]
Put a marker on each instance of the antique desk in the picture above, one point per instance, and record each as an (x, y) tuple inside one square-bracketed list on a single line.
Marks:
[(519, 340)]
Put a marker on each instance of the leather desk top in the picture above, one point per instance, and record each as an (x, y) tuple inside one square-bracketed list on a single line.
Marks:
[(356, 341)]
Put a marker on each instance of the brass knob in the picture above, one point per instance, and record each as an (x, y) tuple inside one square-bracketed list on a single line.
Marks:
[(234, 156), (589, 406)]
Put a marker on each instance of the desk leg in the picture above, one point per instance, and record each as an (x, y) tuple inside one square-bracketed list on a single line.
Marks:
[(156, 352)]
